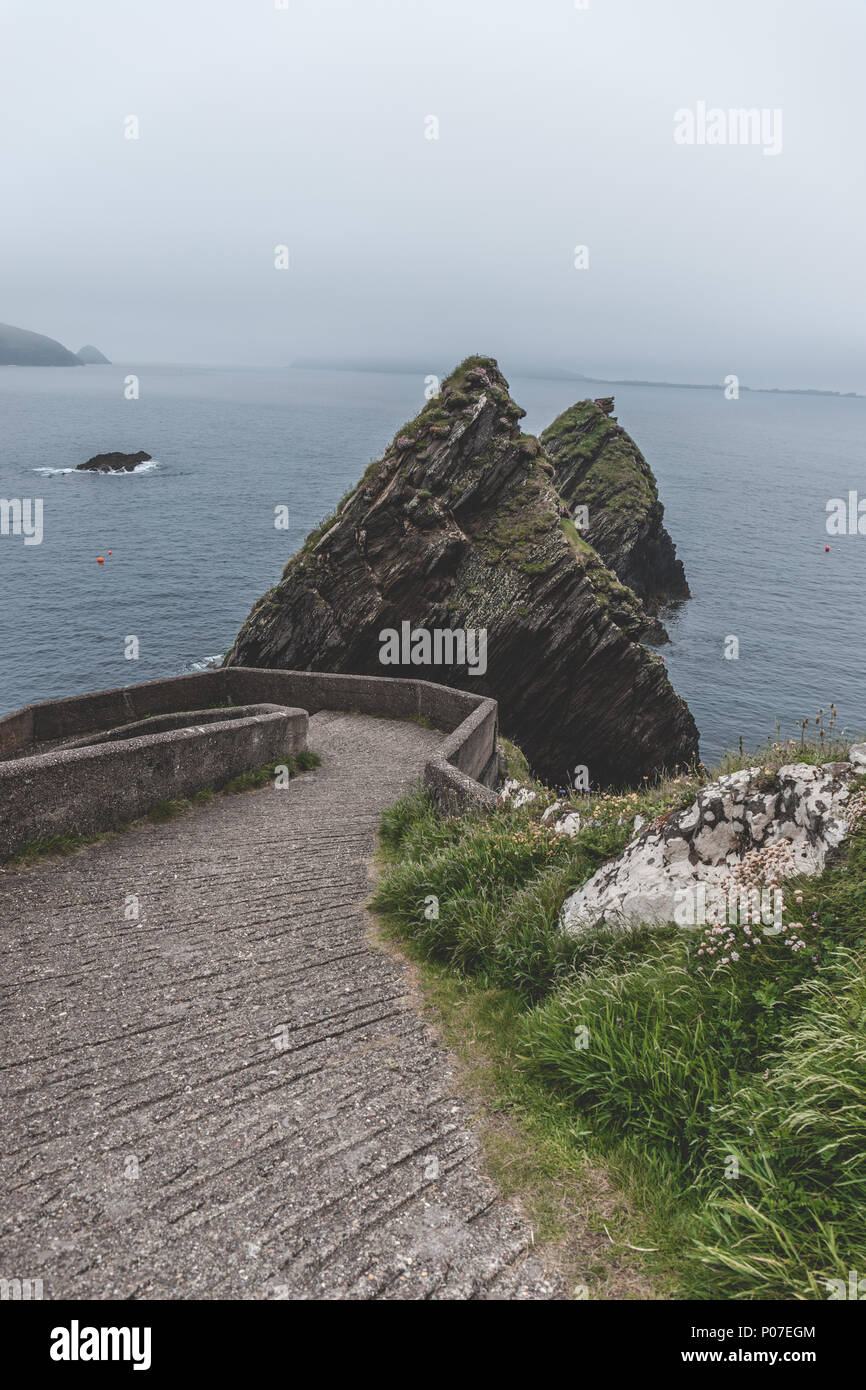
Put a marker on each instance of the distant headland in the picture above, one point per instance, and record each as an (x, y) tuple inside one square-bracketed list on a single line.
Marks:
[(19, 347), (551, 373), (92, 357)]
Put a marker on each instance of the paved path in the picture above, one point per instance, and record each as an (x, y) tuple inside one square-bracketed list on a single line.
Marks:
[(235, 1096)]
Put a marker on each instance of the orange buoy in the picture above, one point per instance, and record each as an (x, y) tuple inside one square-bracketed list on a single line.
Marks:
[(99, 560), (826, 548)]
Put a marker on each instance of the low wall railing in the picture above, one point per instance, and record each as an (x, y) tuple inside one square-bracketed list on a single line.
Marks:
[(122, 753)]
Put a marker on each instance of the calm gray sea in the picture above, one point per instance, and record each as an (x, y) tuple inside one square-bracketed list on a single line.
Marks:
[(745, 486)]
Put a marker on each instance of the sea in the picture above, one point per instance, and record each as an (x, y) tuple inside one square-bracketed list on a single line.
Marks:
[(189, 541)]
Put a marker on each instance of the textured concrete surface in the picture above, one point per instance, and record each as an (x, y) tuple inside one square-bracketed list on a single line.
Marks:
[(235, 1096)]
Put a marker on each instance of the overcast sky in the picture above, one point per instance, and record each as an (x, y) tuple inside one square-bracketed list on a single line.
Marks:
[(306, 126)]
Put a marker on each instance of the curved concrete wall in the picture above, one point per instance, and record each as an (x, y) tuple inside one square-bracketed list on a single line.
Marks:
[(98, 786), (101, 782), (159, 723)]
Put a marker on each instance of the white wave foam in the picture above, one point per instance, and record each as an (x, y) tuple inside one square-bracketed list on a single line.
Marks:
[(210, 663), (107, 473)]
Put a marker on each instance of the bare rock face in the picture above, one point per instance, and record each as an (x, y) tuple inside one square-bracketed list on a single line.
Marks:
[(114, 463), (751, 827), (599, 467), (459, 526)]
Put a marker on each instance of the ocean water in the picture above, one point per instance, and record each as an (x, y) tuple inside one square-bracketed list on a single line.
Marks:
[(193, 542)]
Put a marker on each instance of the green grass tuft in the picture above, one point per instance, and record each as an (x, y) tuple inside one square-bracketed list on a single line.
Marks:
[(728, 1102), (261, 776)]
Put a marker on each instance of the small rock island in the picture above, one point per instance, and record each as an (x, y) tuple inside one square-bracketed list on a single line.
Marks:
[(114, 463)]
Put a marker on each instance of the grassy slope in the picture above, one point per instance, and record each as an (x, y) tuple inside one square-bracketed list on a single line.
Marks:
[(725, 1104)]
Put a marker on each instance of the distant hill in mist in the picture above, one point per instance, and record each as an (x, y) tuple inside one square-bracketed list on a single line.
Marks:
[(21, 348), (91, 356), (403, 366)]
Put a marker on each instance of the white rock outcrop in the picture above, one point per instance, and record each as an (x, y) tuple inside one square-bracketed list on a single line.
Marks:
[(569, 825), (857, 755), (518, 795), (795, 817)]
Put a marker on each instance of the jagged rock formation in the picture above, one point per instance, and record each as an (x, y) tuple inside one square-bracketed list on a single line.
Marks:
[(599, 466), (743, 832), (459, 526), (114, 463), (92, 357), (21, 348)]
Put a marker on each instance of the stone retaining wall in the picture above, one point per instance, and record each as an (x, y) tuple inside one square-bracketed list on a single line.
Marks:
[(99, 782)]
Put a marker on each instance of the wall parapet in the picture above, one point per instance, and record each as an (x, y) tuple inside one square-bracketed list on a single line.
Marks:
[(96, 781)]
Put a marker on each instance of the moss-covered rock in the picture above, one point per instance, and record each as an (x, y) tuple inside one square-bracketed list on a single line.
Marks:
[(599, 467), (462, 527)]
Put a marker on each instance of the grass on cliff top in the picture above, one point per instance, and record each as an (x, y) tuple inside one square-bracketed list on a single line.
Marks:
[(726, 1105), (456, 379), (610, 473)]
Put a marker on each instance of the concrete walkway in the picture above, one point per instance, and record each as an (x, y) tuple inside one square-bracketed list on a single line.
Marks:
[(235, 1096)]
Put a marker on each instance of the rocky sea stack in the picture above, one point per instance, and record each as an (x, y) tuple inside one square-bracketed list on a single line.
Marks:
[(114, 463), (599, 466), (460, 526)]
